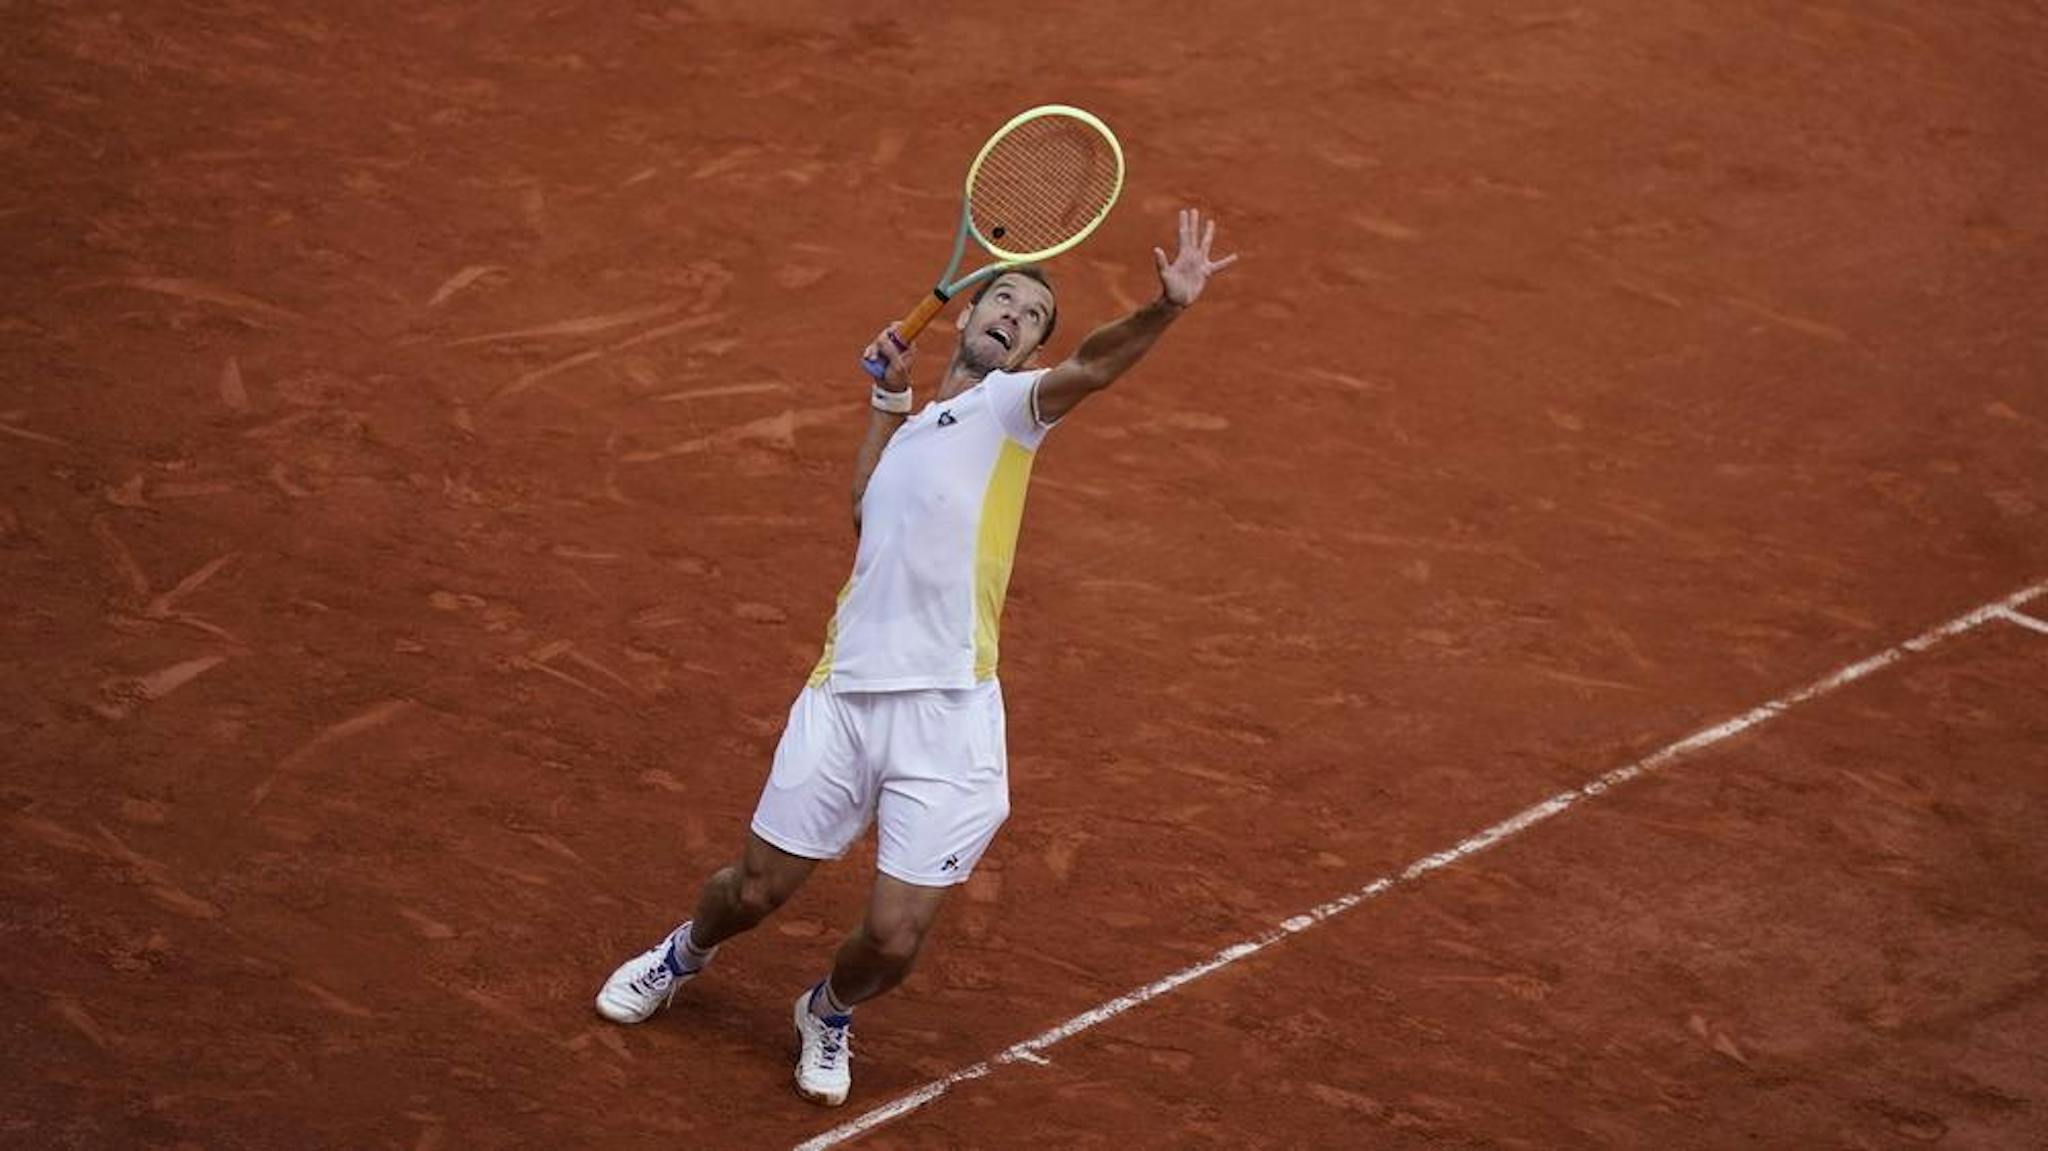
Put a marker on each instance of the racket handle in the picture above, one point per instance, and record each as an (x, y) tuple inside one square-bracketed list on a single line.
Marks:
[(907, 330)]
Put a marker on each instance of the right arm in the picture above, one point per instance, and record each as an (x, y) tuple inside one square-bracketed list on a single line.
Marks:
[(881, 425)]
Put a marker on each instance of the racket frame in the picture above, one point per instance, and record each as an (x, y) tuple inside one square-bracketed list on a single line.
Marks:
[(916, 320)]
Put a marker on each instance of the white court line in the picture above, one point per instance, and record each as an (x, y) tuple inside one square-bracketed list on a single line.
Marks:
[(1028, 1050), (2023, 619)]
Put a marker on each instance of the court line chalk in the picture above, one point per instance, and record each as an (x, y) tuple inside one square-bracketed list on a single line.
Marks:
[(2031, 623), (1029, 1050)]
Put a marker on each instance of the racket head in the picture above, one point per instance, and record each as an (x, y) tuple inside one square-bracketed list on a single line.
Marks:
[(1042, 183)]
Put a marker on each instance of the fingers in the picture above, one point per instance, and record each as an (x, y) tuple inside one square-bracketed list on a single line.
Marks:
[(892, 353), (1196, 234), (890, 346), (1191, 265)]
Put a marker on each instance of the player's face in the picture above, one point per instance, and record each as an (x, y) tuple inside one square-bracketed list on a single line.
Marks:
[(1006, 327)]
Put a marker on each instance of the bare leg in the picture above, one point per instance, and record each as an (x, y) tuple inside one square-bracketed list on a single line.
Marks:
[(739, 897), (734, 900), (882, 950)]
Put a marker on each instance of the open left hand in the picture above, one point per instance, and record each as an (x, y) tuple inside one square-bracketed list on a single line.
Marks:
[(1183, 277)]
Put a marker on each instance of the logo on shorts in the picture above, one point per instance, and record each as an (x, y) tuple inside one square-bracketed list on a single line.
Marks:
[(952, 863), (946, 420)]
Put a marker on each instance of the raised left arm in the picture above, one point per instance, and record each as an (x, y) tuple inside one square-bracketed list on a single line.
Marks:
[(1111, 350)]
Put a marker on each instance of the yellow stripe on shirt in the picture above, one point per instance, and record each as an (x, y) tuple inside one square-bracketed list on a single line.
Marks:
[(1002, 513), (823, 671)]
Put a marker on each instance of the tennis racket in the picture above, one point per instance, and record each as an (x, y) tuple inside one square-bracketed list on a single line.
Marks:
[(1040, 185)]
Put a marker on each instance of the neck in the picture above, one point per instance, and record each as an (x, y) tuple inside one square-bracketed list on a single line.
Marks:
[(960, 376)]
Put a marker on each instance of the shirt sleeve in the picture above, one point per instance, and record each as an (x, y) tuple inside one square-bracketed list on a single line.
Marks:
[(1014, 396)]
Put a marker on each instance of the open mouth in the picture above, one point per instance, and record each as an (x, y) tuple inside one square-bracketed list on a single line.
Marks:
[(1001, 336)]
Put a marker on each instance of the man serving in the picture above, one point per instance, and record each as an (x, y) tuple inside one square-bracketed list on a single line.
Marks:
[(901, 722)]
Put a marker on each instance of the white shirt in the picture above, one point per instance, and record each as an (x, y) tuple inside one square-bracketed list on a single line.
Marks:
[(938, 531)]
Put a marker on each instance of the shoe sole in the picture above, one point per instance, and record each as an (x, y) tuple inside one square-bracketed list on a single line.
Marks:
[(821, 1098), (606, 1013)]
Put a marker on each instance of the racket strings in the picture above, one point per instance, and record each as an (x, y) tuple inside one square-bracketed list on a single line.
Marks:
[(1044, 182)]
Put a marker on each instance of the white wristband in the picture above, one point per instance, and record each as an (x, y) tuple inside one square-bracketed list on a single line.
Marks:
[(895, 403)]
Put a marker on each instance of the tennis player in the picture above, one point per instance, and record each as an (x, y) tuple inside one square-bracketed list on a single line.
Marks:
[(901, 722)]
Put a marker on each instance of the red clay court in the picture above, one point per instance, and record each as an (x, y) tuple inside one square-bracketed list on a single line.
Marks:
[(424, 437)]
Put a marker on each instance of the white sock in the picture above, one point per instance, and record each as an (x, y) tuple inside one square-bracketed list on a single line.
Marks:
[(690, 957), (824, 1004)]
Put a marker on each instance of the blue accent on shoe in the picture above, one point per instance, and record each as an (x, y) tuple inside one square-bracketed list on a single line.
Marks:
[(671, 957), (841, 1021)]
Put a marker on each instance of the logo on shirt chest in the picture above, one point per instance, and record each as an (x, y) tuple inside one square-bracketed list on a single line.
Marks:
[(946, 419)]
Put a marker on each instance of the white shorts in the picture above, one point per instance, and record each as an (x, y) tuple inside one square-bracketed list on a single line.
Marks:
[(930, 764)]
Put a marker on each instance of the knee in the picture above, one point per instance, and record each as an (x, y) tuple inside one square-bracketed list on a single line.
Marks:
[(759, 896), (896, 940)]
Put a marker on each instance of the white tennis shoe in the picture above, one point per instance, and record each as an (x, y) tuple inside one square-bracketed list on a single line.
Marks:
[(824, 1068), (645, 983)]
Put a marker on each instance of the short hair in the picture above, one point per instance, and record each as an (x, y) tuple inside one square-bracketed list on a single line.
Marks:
[(1029, 272)]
